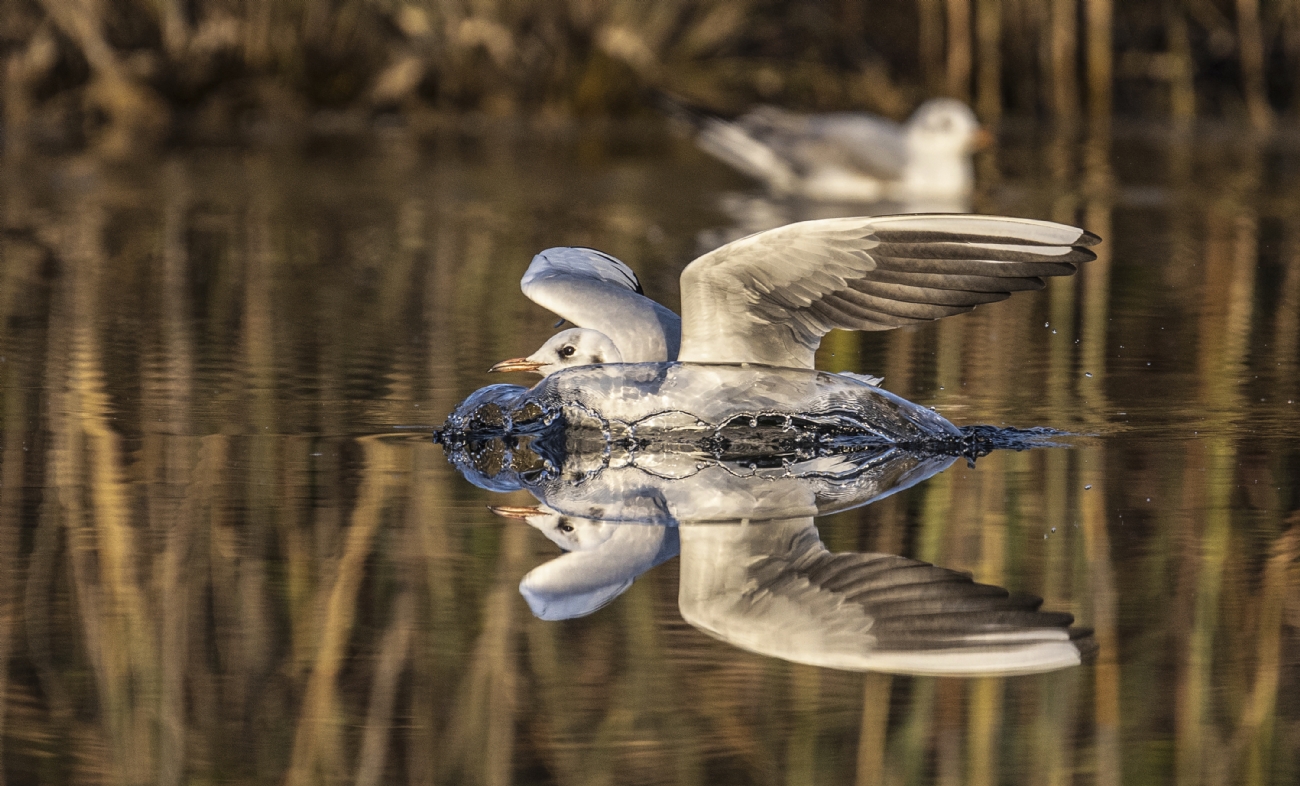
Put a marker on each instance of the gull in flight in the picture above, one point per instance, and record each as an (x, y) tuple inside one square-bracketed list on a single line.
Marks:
[(852, 156), (770, 297)]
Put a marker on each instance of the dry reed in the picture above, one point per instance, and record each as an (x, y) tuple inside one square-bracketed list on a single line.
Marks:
[(120, 75)]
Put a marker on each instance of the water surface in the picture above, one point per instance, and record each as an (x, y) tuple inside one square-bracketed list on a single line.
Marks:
[(223, 558)]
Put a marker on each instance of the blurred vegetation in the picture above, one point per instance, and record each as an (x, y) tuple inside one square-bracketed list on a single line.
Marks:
[(212, 571), (122, 73)]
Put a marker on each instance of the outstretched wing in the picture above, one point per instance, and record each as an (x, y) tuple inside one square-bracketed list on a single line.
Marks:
[(770, 297), (594, 290), (773, 588)]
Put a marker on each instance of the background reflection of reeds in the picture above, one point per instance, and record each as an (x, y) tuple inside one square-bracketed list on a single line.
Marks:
[(212, 569)]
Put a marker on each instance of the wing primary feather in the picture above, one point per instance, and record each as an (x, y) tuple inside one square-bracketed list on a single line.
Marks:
[(996, 253), (905, 308), (960, 283), (911, 294), (770, 297), (974, 267)]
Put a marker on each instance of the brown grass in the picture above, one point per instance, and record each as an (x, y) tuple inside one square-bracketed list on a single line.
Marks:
[(121, 74)]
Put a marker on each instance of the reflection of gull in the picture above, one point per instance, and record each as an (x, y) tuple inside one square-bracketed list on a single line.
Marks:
[(754, 571), (852, 156), (774, 589), (770, 297)]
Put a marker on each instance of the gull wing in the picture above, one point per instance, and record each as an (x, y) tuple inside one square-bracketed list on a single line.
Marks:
[(770, 297), (594, 290), (773, 588)]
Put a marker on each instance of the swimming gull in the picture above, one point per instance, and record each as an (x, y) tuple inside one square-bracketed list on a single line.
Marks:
[(770, 297), (852, 156)]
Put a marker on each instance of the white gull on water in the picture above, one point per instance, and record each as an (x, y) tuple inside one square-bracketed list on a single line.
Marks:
[(770, 297), (852, 156)]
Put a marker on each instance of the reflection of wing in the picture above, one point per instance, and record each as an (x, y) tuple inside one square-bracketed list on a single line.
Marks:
[(774, 589), (770, 297), (594, 290)]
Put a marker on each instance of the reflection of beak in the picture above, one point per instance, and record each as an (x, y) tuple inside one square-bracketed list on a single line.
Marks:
[(520, 512), (517, 364), (982, 140)]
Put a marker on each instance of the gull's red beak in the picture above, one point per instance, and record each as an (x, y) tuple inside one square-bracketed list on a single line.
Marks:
[(520, 512), (517, 364)]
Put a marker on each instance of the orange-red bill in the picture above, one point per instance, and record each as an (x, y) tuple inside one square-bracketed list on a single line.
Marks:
[(520, 512), (516, 364)]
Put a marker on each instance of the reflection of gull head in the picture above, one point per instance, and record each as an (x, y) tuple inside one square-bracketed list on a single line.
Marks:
[(607, 559), (568, 532), (566, 349)]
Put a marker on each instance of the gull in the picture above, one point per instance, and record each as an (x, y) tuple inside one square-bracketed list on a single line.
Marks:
[(852, 156), (770, 297)]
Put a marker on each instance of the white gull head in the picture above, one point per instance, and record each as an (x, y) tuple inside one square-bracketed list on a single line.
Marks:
[(566, 349)]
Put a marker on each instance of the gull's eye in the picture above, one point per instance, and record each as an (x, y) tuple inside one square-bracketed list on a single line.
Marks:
[(566, 528), (567, 352)]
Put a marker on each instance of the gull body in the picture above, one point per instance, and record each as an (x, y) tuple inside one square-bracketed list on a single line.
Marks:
[(852, 156)]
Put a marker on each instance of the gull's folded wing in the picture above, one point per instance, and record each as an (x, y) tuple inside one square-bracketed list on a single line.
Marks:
[(770, 297), (774, 589), (594, 290)]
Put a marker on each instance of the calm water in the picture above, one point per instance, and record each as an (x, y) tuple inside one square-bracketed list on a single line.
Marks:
[(222, 561)]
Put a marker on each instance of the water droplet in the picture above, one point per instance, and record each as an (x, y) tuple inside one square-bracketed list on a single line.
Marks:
[(1047, 324), (1148, 499), (1053, 332), (753, 422), (1085, 488), (1053, 529), (1088, 374)]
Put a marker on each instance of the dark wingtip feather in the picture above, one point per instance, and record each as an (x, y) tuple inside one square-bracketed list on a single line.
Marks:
[(1085, 641), (1088, 239)]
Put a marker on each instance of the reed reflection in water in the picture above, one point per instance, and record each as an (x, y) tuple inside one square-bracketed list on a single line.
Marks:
[(212, 568)]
